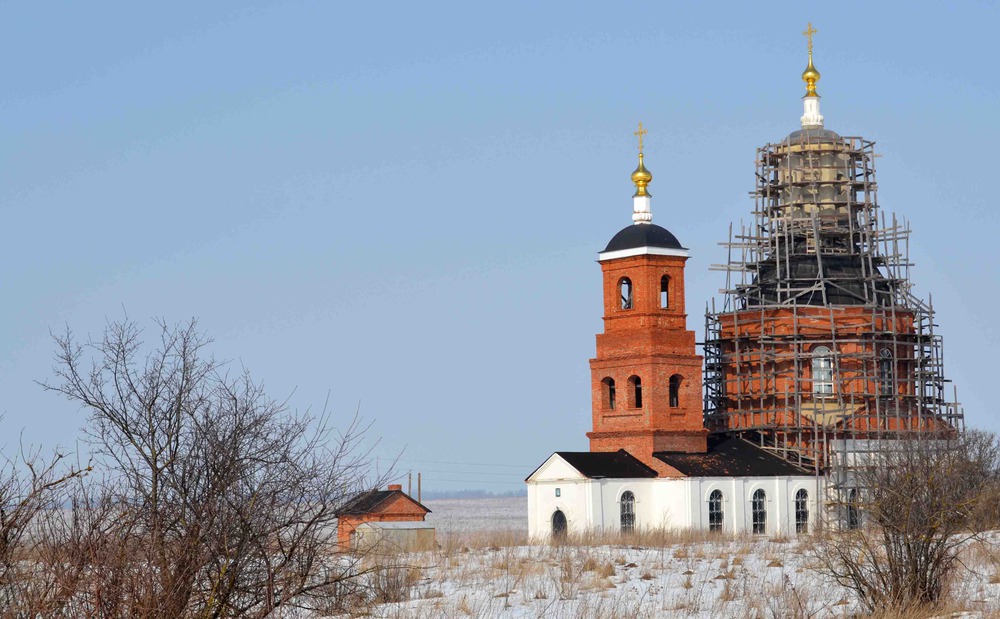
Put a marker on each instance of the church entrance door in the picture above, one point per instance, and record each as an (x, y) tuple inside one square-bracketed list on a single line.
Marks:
[(558, 524)]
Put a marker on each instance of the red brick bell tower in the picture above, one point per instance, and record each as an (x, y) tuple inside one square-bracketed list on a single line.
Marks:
[(646, 379)]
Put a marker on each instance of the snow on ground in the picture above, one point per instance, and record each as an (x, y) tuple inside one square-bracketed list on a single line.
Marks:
[(730, 579), (474, 575), (466, 515), (719, 579)]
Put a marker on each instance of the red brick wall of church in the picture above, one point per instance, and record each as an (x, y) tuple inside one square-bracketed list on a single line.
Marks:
[(772, 398)]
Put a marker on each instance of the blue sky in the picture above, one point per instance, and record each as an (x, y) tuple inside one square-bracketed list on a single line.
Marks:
[(400, 204)]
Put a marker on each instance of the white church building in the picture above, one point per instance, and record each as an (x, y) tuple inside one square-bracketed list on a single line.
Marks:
[(740, 489)]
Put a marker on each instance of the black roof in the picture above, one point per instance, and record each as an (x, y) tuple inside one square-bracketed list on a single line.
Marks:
[(367, 502), (731, 457), (643, 235), (845, 280), (606, 464)]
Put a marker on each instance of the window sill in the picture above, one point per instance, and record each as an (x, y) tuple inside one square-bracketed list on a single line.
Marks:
[(637, 413)]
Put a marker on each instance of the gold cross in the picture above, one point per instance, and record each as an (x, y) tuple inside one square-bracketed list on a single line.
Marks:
[(641, 132), (809, 32)]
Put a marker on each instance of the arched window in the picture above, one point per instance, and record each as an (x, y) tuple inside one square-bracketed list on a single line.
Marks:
[(822, 371), (853, 510), (625, 289), (559, 524), (675, 390), (802, 511), (886, 374), (715, 511), (758, 511), (635, 391), (608, 386), (627, 509), (665, 291)]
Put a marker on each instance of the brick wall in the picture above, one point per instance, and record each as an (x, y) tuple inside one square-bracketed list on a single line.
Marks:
[(395, 509), (652, 343)]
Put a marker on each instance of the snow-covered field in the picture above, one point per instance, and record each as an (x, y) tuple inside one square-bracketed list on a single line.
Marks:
[(473, 575), (466, 515)]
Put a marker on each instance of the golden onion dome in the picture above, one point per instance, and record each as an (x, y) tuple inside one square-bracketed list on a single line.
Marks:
[(810, 76), (641, 177)]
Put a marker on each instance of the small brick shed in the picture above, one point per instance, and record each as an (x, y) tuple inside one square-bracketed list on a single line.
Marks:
[(377, 506)]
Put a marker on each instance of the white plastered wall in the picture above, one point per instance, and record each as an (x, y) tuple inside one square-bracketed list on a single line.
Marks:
[(573, 497), (737, 494), (678, 503)]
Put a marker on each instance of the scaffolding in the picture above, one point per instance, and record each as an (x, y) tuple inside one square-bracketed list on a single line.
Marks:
[(819, 346)]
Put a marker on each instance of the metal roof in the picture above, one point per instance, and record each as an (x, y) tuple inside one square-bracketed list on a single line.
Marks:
[(643, 235)]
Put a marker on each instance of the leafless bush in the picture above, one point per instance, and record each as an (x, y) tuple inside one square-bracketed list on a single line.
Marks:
[(922, 500), (214, 500), (566, 570), (32, 488), (785, 601), (390, 583)]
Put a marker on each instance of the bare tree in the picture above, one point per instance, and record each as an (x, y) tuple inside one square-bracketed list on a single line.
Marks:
[(214, 500), (32, 488), (921, 500)]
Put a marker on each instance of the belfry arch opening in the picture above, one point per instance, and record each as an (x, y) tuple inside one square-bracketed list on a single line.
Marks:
[(608, 394), (635, 392), (665, 292), (674, 396), (625, 292)]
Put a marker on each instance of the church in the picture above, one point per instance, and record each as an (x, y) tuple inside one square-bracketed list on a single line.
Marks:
[(817, 354)]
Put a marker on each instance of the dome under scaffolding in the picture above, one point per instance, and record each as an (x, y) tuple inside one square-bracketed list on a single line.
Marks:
[(820, 349), (819, 343)]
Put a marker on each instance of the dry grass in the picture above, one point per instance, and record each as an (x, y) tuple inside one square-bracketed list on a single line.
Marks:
[(688, 575), (454, 543), (652, 538), (952, 608)]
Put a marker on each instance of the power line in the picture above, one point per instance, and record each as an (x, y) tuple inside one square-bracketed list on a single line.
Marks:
[(471, 481), (518, 475), (494, 464)]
